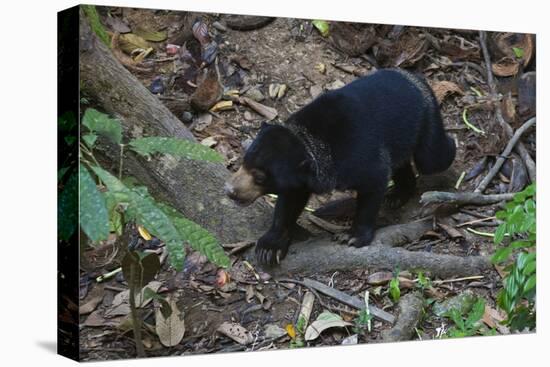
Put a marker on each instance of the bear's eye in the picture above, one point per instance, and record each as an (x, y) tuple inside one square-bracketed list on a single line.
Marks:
[(259, 177)]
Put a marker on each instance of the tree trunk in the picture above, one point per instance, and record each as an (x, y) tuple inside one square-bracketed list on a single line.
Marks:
[(194, 188)]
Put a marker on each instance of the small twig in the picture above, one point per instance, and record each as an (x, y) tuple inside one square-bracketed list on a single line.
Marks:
[(500, 161), (473, 277), (237, 247), (475, 221), (469, 125), (479, 233), (459, 181)]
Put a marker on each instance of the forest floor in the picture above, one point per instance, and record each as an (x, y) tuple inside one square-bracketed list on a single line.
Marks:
[(291, 52)]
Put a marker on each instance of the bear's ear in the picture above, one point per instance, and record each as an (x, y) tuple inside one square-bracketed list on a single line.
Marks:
[(263, 125)]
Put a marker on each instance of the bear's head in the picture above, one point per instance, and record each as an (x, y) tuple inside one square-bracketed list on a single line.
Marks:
[(275, 162)]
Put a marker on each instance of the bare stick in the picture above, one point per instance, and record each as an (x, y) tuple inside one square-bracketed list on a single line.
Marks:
[(463, 198), (500, 161), (352, 301), (520, 148)]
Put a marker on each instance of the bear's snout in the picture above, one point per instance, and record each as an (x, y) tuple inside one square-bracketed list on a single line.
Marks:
[(241, 188)]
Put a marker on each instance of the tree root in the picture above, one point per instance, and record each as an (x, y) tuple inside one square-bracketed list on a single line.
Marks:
[(316, 255), (410, 312)]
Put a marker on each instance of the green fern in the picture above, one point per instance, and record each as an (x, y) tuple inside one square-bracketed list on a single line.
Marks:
[(94, 219), (149, 216), (174, 146), (199, 238)]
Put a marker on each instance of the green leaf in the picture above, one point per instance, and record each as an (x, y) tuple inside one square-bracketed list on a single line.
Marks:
[(518, 52), (102, 124), (174, 146), (67, 208), (199, 238), (524, 258), (149, 216), (94, 219), (476, 313), (322, 26), (89, 139), (530, 268), (395, 292), (499, 233), (530, 283), (501, 254)]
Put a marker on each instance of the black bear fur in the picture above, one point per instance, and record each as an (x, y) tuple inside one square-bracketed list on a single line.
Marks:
[(357, 137)]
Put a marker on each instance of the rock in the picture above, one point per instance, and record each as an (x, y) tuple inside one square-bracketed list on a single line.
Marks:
[(219, 26), (463, 302), (335, 84), (255, 94), (186, 117), (315, 90)]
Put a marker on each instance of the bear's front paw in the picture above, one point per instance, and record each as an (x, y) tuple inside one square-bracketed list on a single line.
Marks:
[(271, 248), (364, 238)]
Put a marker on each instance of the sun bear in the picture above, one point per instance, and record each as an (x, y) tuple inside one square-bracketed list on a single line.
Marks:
[(357, 137)]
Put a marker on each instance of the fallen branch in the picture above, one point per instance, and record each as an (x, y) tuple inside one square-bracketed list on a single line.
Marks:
[(463, 198), (520, 148), (401, 234), (500, 161), (410, 312), (316, 255), (345, 298)]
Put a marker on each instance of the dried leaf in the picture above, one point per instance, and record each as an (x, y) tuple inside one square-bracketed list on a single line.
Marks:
[(444, 88), (506, 66), (380, 278), (324, 321), (236, 332), (273, 331), (170, 330), (93, 299)]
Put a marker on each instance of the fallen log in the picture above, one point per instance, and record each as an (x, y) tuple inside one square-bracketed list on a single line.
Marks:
[(410, 311), (194, 188)]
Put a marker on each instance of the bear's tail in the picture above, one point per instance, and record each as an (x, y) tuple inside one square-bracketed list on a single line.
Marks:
[(435, 151)]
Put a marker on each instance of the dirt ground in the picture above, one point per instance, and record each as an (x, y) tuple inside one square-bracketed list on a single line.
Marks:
[(293, 53)]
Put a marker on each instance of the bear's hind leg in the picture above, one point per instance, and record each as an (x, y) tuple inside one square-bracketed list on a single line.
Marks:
[(369, 201), (404, 186)]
